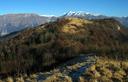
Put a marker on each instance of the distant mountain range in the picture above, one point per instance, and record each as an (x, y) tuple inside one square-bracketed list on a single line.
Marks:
[(15, 22)]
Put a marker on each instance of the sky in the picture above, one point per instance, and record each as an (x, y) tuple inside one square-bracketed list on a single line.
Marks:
[(59, 7)]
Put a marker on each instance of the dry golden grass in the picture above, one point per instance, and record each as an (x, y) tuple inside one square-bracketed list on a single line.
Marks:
[(108, 70), (69, 29), (20, 79), (104, 70), (124, 64), (92, 68), (81, 79), (105, 79), (78, 22), (9, 79), (58, 77), (1, 81), (73, 24)]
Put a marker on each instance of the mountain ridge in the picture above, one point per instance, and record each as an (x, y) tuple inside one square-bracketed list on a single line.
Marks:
[(61, 40), (82, 14), (15, 22)]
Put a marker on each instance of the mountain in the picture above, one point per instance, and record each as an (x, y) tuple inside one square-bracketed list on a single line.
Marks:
[(49, 44), (122, 20), (81, 14), (15, 22)]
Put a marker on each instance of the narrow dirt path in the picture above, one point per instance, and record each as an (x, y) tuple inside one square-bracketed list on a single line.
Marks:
[(88, 59), (73, 68), (75, 75)]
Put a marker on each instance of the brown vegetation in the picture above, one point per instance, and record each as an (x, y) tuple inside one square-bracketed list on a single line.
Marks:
[(48, 44)]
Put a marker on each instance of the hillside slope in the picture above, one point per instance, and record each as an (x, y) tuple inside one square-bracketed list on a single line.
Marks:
[(51, 43)]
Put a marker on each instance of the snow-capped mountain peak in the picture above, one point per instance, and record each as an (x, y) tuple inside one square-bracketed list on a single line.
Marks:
[(80, 13)]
